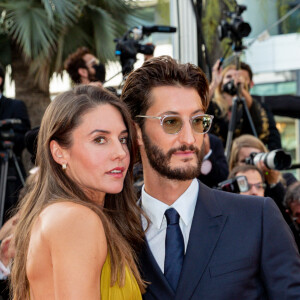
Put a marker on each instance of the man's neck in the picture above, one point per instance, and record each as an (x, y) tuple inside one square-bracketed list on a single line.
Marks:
[(164, 189), (84, 80)]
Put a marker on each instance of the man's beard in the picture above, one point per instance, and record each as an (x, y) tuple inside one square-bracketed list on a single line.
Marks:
[(160, 161), (92, 77)]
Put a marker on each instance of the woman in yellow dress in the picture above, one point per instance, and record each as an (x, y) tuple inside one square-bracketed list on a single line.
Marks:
[(79, 225)]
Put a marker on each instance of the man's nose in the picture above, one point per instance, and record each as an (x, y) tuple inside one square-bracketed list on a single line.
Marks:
[(254, 190), (187, 134)]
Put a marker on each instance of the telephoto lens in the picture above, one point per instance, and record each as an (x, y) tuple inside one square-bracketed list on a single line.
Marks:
[(276, 160)]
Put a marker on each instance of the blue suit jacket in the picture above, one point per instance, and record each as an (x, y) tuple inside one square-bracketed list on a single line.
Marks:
[(239, 248)]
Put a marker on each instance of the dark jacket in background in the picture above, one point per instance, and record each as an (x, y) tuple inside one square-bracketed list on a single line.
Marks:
[(14, 109), (262, 119), (219, 170)]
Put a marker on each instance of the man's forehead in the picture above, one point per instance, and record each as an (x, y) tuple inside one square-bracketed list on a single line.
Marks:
[(295, 205), (167, 95), (89, 58), (245, 73)]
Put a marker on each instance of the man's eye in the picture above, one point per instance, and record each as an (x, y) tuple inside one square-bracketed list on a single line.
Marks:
[(124, 140), (100, 140)]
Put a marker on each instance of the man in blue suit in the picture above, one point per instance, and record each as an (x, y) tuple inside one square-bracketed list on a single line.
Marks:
[(200, 243)]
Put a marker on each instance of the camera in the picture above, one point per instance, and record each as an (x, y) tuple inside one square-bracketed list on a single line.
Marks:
[(277, 159), (230, 88), (128, 46), (235, 28), (237, 185), (7, 133)]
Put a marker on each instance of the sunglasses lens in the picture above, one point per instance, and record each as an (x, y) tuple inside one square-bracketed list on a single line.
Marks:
[(172, 124), (201, 124)]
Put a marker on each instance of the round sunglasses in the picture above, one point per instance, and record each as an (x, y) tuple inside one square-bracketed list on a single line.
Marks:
[(172, 124)]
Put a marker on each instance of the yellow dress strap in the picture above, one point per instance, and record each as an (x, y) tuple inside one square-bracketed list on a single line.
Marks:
[(130, 291)]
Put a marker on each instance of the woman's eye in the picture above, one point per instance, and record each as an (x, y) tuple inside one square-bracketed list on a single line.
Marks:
[(124, 140), (100, 140)]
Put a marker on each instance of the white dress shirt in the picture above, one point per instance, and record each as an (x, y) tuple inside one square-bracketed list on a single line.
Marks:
[(155, 209)]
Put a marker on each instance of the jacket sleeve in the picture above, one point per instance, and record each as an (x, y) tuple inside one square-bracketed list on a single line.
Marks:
[(280, 260)]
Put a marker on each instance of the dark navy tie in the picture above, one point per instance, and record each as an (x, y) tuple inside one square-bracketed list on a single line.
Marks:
[(174, 248)]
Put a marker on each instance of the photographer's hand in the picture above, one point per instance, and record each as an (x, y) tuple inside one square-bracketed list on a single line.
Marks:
[(272, 177), (240, 81), (216, 78)]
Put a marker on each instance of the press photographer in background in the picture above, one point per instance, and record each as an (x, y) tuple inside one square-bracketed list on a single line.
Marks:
[(249, 180), (12, 109), (273, 140), (292, 204), (253, 184), (84, 68), (242, 147), (223, 89)]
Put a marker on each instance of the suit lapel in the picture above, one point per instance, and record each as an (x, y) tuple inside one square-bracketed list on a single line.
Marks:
[(158, 285), (207, 226)]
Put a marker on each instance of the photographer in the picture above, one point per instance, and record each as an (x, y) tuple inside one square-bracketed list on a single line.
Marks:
[(273, 140), (84, 68), (255, 179), (292, 204), (223, 89), (246, 144), (12, 109)]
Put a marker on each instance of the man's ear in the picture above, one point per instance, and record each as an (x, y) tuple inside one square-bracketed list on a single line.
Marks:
[(139, 134), (83, 72), (251, 84), (1, 80), (58, 153)]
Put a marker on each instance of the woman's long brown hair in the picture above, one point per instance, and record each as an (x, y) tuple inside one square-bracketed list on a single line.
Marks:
[(120, 215)]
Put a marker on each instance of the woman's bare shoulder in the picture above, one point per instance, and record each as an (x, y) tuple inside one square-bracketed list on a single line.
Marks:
[(69, 219)]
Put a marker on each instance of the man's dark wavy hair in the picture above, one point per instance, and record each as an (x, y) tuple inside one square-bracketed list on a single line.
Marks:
[(74, 62), (161, 71)]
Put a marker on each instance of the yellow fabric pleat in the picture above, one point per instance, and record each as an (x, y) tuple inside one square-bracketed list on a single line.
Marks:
[(130, 291)]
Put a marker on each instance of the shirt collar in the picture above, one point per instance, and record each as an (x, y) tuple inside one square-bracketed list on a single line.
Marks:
[(185, 205)]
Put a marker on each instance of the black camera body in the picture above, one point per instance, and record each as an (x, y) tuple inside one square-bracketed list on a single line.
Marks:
[(230, 88), (235, 28), (238, 184), (127, 50), (7, 133), (276, 159), (128, 46)]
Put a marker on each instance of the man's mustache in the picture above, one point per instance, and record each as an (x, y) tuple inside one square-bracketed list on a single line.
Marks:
[(183, 148)]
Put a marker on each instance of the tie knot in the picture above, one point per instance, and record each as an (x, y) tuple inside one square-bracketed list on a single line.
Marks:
[(172, 216)]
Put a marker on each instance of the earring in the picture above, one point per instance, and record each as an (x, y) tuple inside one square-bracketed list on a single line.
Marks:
[(64, 166)]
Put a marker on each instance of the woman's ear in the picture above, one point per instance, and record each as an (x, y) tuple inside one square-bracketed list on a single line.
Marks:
[(58, 154), (139, 135)]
